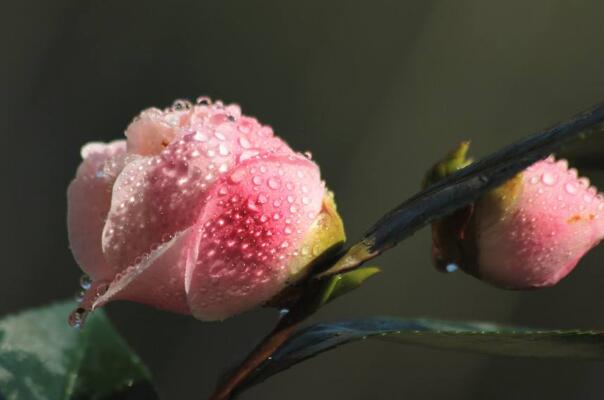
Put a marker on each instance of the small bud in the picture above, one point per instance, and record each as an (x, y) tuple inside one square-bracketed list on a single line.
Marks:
[(528, 233)]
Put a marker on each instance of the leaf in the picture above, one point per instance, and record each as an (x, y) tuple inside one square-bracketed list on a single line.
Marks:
[(340, 284), (464, 187), (484, 338), (42, 357)]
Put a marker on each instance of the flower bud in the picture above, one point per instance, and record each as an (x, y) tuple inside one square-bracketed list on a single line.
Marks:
[(200, 211), (528, 233)]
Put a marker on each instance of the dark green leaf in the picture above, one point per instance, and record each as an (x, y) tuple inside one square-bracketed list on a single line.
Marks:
[(42, 357), (464, 336)]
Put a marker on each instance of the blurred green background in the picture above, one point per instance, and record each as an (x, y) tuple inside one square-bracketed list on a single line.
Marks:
[(376, 90)]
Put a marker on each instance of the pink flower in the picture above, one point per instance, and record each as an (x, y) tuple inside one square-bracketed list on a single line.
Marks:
[(200, 211), (528, 233)]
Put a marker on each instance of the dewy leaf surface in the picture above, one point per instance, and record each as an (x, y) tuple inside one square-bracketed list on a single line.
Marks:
[(42, 357)]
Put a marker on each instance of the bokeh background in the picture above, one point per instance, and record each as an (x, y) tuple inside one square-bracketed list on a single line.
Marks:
[(376, 90)]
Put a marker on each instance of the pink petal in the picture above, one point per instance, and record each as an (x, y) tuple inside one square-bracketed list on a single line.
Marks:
[(252, 226), (150, 133), (158, 279), (158, 196), (88, 199)]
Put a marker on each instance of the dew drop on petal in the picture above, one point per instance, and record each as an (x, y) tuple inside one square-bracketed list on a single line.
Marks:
[(248, 154), (548, 179), (274, 183), (223, 149), (570, 188), (237, 176), (262, 199), (200, 137), (244, 143), (203, 100)]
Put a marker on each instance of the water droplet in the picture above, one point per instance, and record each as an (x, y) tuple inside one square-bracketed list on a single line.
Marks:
[(211, 153), (85, 282), (203, 100), (77, 317), (452, 267), (262, 198), (548, 179), (247, 154), (251, 204), (290, 199), (219, 136), (223, 168), (274, 183), (223, 149), (276, 216), (308, 155), (534, 180), (570, 188), (287, 230), (79, 296), (223, 191), (200, 137), (244, 143), (293, 209), (285, 244), (181, 105), (305, 200), (237, 176), (256, 180)]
